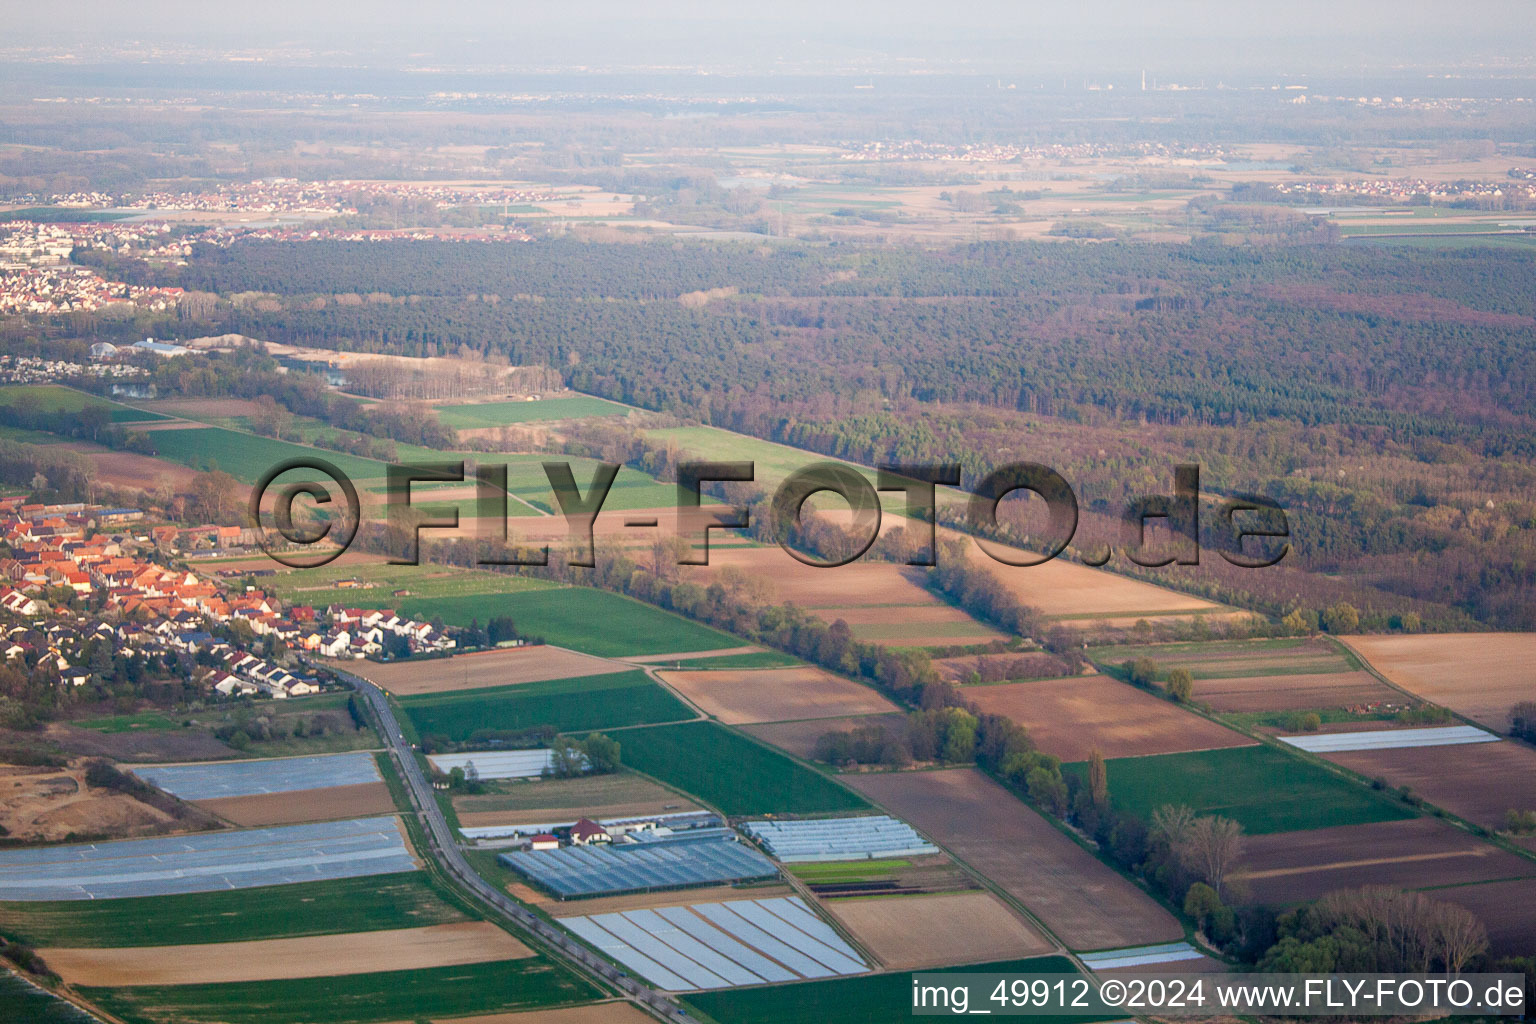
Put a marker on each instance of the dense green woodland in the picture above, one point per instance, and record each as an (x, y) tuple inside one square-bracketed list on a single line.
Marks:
[(1385, 395)]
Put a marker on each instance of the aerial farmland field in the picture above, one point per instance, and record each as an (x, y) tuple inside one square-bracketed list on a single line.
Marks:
[(591, 621), (1263, 789), (495, 414), (1071, 717), (1478, 781), (731, 772), (374, 902), (1289, 867), (482, 669), (737, 697), (498, 987), (1479, 675), (587, 702), (1086, 904), (875, 997)]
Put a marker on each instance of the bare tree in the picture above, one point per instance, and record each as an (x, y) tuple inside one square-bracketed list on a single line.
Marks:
[(1214, 845), (1456, 936)]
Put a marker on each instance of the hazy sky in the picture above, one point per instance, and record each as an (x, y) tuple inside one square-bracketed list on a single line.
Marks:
[(1021, 32)]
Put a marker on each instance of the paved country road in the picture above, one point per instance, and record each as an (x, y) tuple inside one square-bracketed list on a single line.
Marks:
[(447, 853)]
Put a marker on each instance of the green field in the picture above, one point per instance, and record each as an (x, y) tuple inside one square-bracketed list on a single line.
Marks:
[(247, 456), (870, 999), (1264, 789), (593, 621), (731, 772), (757, 659), (63, 215), (570, 705), (318, 586), (510, 985), (846, 871), (144, 720), (772, 462), (56, 398), (405, 900), (21, 1003), (495, 414)]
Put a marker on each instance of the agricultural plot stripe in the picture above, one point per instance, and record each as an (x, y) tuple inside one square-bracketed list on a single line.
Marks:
[(1392, 739), (206, 862), (714, 938), (255, 778), (627, 955), (624, 930), (663, 930), (1141, 956), (793, 912), (792, 936), (719, 915), (497, 764)]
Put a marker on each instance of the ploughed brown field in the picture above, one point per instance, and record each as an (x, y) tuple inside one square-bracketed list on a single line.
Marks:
[(1063, 588), (1505, 907), (1290, 867), (799, 738), (1085, 903), (1480, 675), (907, 932), (742, 696), (357, 801), (1302, 692), (883, 602), (1071, 717), (505, 667), (316, 956), (1478, 781)]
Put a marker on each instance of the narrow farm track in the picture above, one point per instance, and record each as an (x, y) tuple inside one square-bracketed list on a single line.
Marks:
[(447, 853)]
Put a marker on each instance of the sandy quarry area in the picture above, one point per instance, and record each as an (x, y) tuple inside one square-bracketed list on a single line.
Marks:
[(316, 956), (48, 804)]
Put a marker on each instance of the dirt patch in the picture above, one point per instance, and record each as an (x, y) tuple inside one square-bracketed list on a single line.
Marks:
[(327, 804), (1070, 717), (799, 738), (1505, 907), (142, 745), (906, 932), (743, 696), (317, 956), (1480, 675), (1296, 692), (1085, 903), (475, 671), (131, 471), (51, 804), (1478, 781), (1290, 867), (214, 408)]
